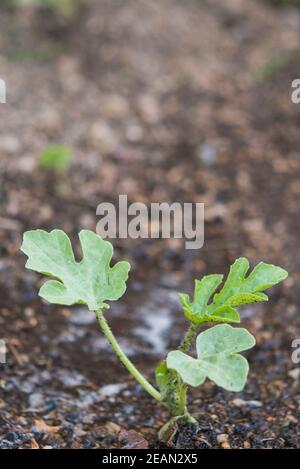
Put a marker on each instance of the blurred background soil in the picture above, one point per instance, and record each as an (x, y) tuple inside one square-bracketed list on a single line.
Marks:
[(163, 101)]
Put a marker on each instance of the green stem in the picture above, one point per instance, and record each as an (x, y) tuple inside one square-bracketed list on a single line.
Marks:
[(177, 398), (123, 358), (182, 399), (189, 336)]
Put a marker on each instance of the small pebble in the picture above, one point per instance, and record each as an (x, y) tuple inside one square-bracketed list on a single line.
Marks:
[(223, 441), (294, 373), (207, 154)]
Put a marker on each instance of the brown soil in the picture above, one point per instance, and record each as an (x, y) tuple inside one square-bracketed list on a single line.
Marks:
[(164, 101)]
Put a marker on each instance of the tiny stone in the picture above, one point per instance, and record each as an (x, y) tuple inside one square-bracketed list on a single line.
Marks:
[(36, 400), (207, 154), (295, 373), (241, 403), (254, 404), (223, 441), (238, 402)]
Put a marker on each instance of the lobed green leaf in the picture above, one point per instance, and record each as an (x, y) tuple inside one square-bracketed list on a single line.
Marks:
[(91, 281), (238, 290), (218, 358)]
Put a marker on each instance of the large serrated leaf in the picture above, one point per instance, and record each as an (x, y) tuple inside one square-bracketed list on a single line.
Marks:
[(91, 281), (237, 290), (218, 358)]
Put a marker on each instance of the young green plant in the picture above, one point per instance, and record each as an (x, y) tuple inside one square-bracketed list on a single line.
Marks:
[(56, 158), (67, 8), (93, 282)]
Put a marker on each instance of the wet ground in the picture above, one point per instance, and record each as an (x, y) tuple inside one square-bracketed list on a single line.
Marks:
[(163, 102)]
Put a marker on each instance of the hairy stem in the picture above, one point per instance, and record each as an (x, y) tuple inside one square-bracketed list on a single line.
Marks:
[(188, 338), (123, 358), (178, 390)]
